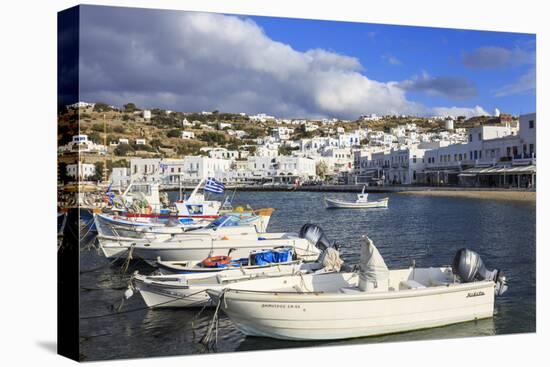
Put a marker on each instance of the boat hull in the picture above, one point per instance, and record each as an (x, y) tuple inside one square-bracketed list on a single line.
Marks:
[(338, 204), (319, 316), (197, 250), (189, 290)]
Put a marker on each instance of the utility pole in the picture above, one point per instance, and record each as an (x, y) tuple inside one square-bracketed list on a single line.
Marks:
[(105, 177)]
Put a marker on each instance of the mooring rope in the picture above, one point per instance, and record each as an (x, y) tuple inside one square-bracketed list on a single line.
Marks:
[(210, 339), (144, 308), (129, 258)]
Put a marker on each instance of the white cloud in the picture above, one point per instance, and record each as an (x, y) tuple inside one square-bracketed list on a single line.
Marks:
[(460, 111), (526, 83), (200, 61)]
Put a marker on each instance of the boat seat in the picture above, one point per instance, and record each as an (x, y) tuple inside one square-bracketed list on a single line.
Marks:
[(350, 290), (411, 284)]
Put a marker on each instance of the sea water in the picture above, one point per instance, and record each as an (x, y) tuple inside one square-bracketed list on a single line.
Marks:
[(428, 230)]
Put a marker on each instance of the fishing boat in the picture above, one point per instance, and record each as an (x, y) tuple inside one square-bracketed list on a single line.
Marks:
[(189, 290), (217, 239), (362, 202), (371, 301), (122, 226), (257, 258), (115, 238)]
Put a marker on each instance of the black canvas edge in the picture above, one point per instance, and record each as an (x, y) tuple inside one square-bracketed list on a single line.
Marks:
[(68, 253)]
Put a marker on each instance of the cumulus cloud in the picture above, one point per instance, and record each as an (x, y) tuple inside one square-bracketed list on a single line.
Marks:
[(460, 111), (190, 61), (492, 57), (450, 87)]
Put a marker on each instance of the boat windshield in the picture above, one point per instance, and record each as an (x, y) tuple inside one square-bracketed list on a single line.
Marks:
[(225, 221)]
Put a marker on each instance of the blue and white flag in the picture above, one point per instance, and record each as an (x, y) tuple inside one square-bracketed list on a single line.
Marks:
[(109, 193), (214, 186)]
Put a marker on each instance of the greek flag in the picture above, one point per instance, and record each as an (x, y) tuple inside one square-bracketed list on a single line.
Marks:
[(214, 186), (110, 194)]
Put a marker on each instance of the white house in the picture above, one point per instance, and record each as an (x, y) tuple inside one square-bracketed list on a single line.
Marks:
[(81, 143), (187, 135), (81, 105), (80, 171), (146, 115)]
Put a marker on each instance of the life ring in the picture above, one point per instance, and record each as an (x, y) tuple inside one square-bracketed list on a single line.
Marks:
[(216, 261)]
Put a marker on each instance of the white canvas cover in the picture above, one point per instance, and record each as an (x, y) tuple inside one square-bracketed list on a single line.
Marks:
[(373, 272)]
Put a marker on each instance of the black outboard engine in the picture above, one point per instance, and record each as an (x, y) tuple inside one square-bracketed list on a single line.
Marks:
[(467, 264), (315, 234)]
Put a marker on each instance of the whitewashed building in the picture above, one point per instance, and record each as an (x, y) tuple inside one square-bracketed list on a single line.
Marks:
[(187, 135), (81, 143), (80, 171)]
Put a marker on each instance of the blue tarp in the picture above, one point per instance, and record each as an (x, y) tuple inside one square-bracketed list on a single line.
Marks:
[(272, 256)]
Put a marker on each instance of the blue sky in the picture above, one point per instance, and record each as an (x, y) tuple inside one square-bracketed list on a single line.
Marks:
[(192, 61), (395, 53)]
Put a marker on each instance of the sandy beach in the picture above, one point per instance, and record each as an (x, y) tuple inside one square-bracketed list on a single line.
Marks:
[(479, 194)]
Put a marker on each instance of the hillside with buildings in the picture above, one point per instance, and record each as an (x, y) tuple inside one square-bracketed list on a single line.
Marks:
[(175, 147)]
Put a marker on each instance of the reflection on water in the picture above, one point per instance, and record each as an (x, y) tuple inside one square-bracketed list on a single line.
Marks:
[(427, 229)]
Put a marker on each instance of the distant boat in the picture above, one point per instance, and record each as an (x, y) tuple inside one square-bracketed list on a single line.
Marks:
[(361, 202)]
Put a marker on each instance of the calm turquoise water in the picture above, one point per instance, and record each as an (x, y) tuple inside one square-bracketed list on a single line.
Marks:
[(427, 229)]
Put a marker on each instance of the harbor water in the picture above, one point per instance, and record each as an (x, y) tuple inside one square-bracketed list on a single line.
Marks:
[(428, 230)]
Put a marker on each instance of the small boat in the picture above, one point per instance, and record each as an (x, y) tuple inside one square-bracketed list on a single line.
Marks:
[(257, 259), (216, 239), (371, 301), (189, 290), (115, 237), (362, 202)]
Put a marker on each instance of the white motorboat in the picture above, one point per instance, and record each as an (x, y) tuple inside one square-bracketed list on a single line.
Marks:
[(123, 226), (189, 290), (372, 301), (217, 239), (362, 202), (115, 237), (222, 263)]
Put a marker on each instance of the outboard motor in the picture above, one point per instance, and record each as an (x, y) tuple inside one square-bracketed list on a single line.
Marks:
[(315, 234), (467, 264)]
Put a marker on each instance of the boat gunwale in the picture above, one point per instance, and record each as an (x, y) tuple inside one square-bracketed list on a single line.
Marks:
[(308, 297)]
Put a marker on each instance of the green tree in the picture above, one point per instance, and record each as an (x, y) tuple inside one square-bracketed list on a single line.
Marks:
[(174, 133), (98, 175), (102, 107), (212, 137), (123, 150), (130, 107)]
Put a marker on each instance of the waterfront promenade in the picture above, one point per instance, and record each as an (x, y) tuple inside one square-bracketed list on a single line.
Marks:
[(448, 191)]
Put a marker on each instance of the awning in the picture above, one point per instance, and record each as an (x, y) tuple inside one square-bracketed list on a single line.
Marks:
[(508, 170)]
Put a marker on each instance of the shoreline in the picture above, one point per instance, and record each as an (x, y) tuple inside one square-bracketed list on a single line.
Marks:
[(431, 191), (523, 196)]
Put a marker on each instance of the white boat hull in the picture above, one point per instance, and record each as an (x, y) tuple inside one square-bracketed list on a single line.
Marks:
[(198, 249), (189, 290), (339, 204), (337, 315)]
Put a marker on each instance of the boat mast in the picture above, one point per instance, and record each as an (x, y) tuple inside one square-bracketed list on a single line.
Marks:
[(196, 189)]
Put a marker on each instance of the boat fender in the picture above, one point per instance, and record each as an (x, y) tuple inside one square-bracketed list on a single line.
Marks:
[(129, 292)]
